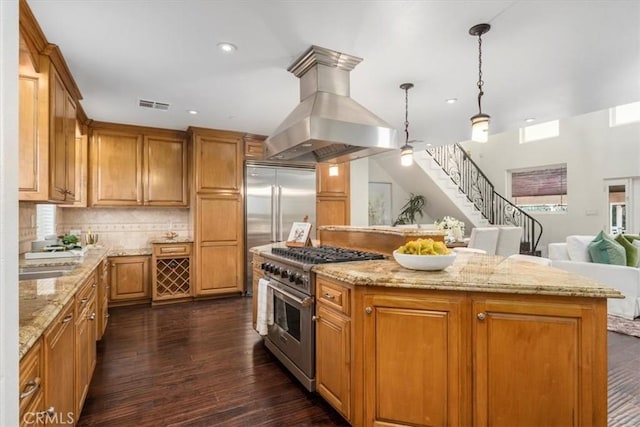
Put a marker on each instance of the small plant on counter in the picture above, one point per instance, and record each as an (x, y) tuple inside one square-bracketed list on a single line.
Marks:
[(413, 207)]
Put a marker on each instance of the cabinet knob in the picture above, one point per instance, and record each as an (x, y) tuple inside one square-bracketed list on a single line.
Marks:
[(92, 317), (315, 318), (482, 316), (368, 310), (50, 411)]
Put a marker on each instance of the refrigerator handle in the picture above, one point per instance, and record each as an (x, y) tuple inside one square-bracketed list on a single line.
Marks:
[(273, 214), (280, 231)]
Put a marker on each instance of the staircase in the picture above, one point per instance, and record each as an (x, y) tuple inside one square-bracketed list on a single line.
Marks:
[(468, 188)]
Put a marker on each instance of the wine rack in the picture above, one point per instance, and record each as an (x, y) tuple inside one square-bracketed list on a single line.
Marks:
[(171, 272)]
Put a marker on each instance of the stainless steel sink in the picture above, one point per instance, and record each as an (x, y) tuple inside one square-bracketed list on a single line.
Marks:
[(44, 271), (34, 275)]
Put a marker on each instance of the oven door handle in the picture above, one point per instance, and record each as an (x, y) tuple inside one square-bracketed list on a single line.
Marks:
[(305, 302)]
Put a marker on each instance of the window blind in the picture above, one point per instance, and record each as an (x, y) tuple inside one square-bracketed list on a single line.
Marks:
[(45, 221), (550, 181)]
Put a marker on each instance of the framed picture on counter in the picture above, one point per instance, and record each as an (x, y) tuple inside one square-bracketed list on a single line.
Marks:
[(300, 234)]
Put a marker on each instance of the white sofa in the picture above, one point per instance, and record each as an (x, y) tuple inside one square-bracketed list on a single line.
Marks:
[(573, 256)]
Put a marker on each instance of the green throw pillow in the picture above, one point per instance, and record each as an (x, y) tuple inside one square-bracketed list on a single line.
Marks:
[(604, 250), (631, 237), (630, 250)]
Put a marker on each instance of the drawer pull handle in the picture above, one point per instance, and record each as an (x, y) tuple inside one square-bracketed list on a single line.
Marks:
[(482, 316), (31, 387), (67, 318), (327, 295), (84, 300), (106, 315)]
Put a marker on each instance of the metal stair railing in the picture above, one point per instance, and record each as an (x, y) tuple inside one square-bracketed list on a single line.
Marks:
[(474, 184)]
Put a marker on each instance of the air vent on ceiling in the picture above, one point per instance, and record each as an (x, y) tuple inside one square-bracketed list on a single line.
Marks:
[(153, 104)]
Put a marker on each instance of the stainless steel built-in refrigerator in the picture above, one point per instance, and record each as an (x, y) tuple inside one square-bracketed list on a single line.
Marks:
[(276, 197)]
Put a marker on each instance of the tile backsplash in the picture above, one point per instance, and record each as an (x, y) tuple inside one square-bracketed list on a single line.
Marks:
[(125, 228), (27, 230)]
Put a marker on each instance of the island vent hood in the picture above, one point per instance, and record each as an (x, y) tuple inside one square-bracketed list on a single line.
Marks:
[(327, 125)]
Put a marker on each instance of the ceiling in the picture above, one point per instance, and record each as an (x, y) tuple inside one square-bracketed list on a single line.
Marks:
[(545, 60)]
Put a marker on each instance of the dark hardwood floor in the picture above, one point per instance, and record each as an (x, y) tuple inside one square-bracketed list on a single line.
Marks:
[(201, 364)]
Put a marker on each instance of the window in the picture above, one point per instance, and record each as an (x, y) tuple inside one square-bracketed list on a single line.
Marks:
[(45, 220), (540, 131), (542, 189), (623, 114)]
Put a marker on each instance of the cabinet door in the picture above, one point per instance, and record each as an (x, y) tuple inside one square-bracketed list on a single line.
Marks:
[(219, 245), (59, 341), (34, 148), (69, 128), (83, 335), (218, 164), (333, 359), (116, 168), (165, 171), (537, 362), (414, 366), (332, 211), (335, 186), (129, 278), (57, 142)]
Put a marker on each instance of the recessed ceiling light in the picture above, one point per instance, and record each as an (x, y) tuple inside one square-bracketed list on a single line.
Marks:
[(530, 119), (451, 100), (194, 112), (227, 47)]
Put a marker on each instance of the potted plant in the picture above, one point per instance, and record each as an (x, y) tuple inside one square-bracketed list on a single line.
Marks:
[(413, 207)]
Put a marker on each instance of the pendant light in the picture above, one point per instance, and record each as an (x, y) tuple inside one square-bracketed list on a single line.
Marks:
[(480, 122), (406, 151)]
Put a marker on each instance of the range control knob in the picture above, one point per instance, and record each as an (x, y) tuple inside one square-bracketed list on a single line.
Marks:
[(275, 270), (299, 280), (293, 276), (263, 266), (284, 273)]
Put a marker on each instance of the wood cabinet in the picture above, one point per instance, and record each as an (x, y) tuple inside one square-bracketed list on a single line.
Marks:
[(47, 132), (219, 235), (217, 161), (129, 280), (414, 369), (31, 385), (254, 147), (171, 272), (85, 330), (332, 198), (556, 358), (333, 349), (219, 257), (102, 299), (62, 141), (412, 357), (59, 377), (135, 166)]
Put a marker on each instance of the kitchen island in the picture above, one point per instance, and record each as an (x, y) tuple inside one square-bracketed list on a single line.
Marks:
[(487, 341)]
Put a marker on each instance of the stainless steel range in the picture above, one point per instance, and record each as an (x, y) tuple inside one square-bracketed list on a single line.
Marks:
[(291, 337)]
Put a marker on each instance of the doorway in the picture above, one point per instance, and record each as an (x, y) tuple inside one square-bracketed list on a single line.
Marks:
[(619, 208)]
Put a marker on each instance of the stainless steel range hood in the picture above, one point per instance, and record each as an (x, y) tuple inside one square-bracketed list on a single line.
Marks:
[(327, 125)]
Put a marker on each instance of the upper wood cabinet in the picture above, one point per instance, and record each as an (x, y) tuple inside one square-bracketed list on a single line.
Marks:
[(47, 134), (333, 203), (218, 161), (336, 186), (134, 166), (254, 147)]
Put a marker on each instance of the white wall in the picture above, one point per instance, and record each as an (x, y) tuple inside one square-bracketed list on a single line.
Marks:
[(592, 151), (9, 213), (399, 196)]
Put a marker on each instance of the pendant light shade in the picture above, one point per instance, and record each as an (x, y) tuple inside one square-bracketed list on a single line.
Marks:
[(406, 151), (480, 121)]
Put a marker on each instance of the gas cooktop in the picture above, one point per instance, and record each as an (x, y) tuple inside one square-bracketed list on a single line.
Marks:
[(324, 254)]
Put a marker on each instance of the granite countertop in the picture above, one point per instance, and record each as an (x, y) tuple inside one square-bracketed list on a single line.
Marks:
[(398, 231), (130, 252), (165, 240), (40, 301), (470, 272)]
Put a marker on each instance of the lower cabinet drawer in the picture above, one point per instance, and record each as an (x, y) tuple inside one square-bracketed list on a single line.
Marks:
[(31, 378)]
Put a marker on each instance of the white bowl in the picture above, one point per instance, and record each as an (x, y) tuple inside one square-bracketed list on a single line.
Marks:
[(424, 262)]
